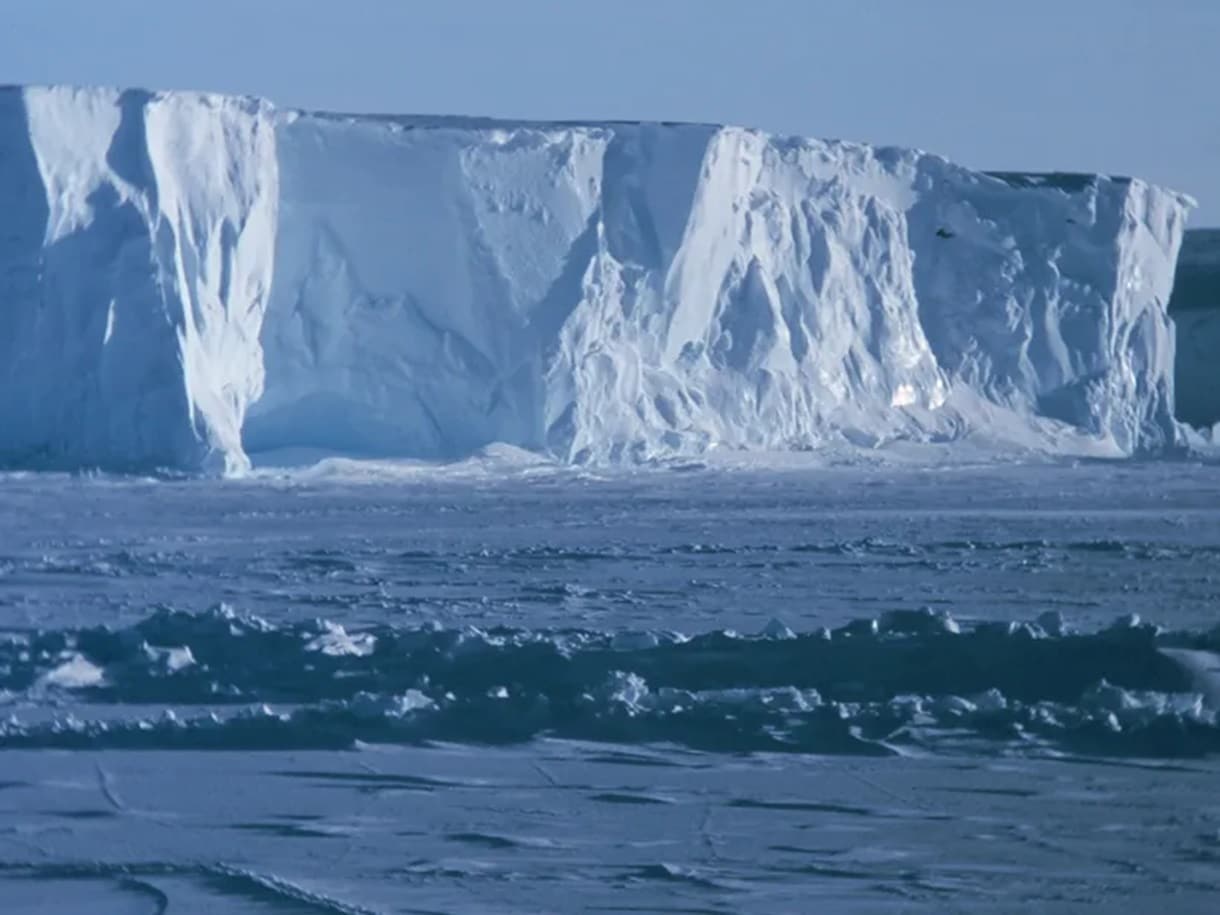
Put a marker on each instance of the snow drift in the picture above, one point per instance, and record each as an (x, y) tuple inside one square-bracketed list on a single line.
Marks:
[(187, 278), (1195, 307)]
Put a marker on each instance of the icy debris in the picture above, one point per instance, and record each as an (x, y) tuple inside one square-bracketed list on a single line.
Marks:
[(221, 617), (335, 641), (865, 628), (371, 705), (1131, 624), (169, 660), (628, 689), (924, 621), (916, 681), (634, 641), (1014, 629), (1052, 623), (413, 700), (77, 672), (776, 629)]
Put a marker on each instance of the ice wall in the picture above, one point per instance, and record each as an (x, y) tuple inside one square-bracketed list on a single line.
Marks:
[(136, 235), (621, 291), (187, 278), (1195, 308)]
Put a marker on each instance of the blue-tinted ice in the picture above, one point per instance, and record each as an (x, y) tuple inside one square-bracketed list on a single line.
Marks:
[(846, 689)]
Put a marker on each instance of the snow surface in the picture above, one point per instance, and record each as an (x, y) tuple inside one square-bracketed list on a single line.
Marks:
[(1195, 308), (197, 277), (846, 689)]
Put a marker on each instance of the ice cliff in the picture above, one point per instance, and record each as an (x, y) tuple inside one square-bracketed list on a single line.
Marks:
[(187, 278), (136, 243), (1195, 307)]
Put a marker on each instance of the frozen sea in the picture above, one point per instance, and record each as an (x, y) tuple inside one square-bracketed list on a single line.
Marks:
[(501, 686)]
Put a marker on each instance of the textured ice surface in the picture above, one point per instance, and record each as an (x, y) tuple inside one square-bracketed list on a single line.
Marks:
[(816, 610), (598, 292), (503, 686), (562, 827), (136, 236), (1196, 313), (910, 680)]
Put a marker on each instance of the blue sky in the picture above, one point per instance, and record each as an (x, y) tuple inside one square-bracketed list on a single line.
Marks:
[(1122, 86)]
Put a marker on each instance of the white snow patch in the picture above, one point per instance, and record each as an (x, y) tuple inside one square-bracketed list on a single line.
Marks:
[(77, 672), (336, 641), (170, 660)]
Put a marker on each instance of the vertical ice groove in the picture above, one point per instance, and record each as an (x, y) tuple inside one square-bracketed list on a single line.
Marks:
[(130, 337)]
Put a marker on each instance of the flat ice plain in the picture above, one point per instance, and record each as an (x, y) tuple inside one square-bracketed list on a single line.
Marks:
[(502, 685)]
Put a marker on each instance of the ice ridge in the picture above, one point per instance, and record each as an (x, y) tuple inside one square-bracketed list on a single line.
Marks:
[(907, 681)]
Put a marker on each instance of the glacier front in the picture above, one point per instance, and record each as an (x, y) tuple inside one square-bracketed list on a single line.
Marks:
[(1195, 307), (188, 278)]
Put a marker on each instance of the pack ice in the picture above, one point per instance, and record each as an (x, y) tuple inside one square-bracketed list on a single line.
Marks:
[(187, 278)]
